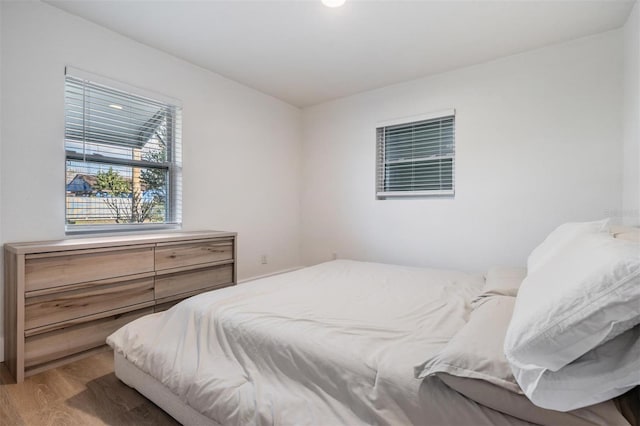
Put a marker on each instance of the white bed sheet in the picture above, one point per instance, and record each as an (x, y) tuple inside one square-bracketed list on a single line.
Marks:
[(331, 344)]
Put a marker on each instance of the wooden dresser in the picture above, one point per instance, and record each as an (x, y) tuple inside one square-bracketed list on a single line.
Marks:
[(63, 298)]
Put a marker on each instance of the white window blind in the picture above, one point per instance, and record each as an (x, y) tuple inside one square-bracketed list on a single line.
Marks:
[(123, 157), (416, 158)]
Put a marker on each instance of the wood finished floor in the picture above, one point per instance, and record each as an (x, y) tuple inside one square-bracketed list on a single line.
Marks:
[(85, 392)]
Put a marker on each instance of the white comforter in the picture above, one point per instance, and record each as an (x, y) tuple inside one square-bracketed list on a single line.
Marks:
[(335, 343)]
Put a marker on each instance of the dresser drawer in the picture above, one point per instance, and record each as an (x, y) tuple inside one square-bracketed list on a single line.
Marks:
[(178, 255), (70, 267), (58, 344), (90, 300), (189, 281)]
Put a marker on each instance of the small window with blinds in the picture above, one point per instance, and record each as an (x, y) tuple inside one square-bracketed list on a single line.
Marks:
[(123, 157), (415, 158)]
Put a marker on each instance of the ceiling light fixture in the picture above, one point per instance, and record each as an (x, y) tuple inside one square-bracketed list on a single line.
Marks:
[(115, 106), (333, 3)]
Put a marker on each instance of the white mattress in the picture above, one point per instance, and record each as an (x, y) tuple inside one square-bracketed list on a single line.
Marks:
[(331, 344)]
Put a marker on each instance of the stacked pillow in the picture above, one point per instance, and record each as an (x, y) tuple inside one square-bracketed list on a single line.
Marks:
[(573, 339), (566, 345), (473, 363), (560, 238)]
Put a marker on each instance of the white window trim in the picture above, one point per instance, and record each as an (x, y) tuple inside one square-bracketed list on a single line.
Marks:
[(119, 85), (140, 92), (383, 195), (420, 117)]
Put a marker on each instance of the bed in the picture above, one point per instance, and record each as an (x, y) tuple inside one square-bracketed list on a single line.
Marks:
[(334, 343)]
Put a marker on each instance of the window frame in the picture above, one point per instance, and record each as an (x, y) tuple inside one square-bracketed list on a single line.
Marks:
[(172, 164), (380, 159)]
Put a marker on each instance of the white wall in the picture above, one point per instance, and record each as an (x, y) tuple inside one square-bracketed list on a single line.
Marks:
[(538, 143), (241, 148), (631, 120)]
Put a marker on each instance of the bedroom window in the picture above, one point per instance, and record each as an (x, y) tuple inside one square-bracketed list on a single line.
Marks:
[(416, 157), (123, 157)]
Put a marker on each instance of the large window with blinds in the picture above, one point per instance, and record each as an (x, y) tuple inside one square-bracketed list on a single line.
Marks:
[(416, 157), (123, 157)]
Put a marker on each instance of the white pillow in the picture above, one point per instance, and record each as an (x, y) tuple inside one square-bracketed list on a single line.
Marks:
[(585, 295), (500, 281), (559, 238), (599, 375)]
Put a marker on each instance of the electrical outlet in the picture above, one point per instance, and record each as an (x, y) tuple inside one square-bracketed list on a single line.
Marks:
[(263, 259)]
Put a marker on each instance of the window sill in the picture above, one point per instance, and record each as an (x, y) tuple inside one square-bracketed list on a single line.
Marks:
[(415, 194), (120, 228)]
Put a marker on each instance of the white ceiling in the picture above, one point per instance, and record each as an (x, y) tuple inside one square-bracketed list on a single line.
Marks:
[(305, 53)]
